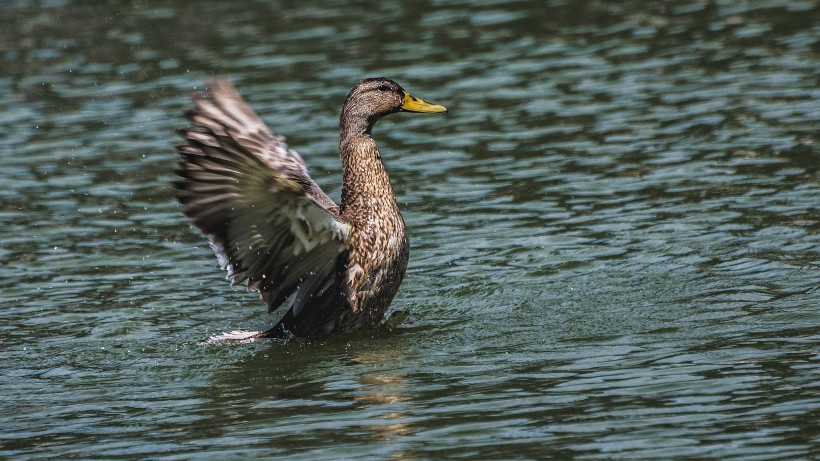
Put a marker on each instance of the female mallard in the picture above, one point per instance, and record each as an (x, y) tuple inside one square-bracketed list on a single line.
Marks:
[(334, 268)]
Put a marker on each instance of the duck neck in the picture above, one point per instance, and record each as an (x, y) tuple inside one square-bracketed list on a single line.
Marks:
[(352, 123), (366, 189)]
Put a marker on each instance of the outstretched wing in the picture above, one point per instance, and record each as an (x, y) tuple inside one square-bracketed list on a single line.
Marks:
[(267, 221)]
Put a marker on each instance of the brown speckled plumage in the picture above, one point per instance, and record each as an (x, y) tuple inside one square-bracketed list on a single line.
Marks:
[(334, 268)]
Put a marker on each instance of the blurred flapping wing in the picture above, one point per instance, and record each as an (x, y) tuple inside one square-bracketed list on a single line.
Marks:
[(268, 222)]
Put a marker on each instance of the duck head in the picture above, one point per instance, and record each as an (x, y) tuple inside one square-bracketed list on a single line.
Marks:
[(373, 98)]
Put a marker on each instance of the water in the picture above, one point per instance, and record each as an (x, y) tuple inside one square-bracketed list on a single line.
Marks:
[(614, 233)]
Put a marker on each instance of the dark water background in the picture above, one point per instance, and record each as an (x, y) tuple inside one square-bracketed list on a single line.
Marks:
[(615, 232)]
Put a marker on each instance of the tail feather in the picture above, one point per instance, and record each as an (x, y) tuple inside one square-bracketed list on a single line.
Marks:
[(245, 336)]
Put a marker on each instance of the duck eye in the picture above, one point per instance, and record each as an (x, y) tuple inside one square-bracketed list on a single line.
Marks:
[(384, 88)]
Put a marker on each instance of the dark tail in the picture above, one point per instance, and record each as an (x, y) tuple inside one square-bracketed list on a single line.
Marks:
[(277, 332)]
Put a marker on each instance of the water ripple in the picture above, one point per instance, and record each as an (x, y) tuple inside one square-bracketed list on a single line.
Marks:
[(614, 233)]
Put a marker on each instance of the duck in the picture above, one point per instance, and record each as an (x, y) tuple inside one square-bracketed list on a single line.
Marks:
[(330, 268)]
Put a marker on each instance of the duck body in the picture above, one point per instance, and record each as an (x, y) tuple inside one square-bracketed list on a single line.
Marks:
[(379, 246), (333, 268)]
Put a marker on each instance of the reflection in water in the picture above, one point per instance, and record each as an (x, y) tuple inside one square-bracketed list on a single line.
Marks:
[(341, 391), (387, 392)]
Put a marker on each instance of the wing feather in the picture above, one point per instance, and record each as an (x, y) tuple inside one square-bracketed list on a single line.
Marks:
[(268, 222)]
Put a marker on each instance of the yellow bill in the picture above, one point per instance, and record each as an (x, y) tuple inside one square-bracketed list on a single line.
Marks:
[(414, 104)]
